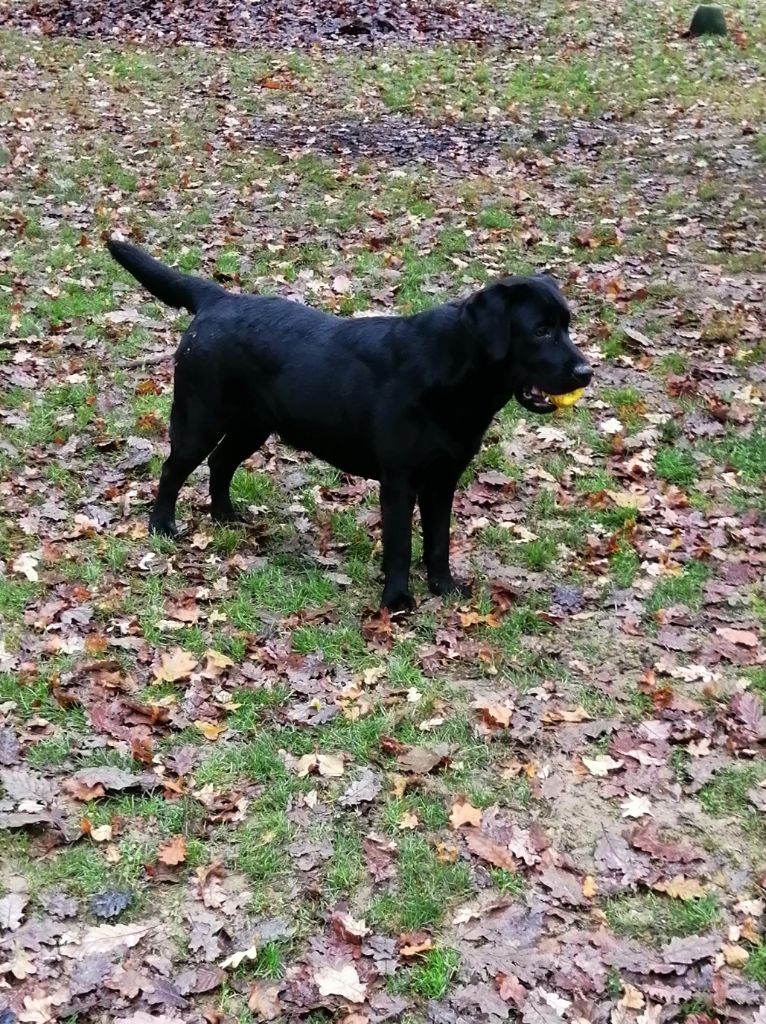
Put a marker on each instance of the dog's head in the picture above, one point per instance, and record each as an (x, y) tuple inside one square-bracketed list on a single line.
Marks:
[(522, 325)]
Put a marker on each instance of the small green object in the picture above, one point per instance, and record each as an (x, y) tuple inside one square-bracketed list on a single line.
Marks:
[(708, 20)]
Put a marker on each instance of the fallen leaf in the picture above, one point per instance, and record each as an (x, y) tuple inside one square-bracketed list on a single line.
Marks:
[(564, 886), (106, 938), (464, 813), (415, 944), (743, 637), (26, 564), (422, 760), (495, 714), (330, 765), (490, 850), (12, 910), (349, 928), (174, 665), (446, 854), (364, 790), (734, 955), (21, 966), (263, 1001), (635, 806), (210, 730), (681, 888), (601, 765), (342, 284), (104, 777), (631, 998), (341, 981), (111, 902), (408, 821), (172, 851), (215, 664), (568, 715), (239, 957)]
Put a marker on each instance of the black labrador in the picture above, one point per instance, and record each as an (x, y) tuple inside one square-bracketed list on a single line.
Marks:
[(405, 400)]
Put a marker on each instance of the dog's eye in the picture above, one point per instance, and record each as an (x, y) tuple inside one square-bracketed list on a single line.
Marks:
[(543, 332)]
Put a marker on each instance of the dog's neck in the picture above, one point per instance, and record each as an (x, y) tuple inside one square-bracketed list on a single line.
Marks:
[(469, 386)]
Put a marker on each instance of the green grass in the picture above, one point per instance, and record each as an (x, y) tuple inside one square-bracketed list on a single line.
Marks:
[(656, 918), (726, 795), (755, 968), (432, 978), (425, 890), (676, 466), (624, 565), (685, 588)]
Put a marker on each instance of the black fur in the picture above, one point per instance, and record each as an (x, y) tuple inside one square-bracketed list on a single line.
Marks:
[(402, 400)]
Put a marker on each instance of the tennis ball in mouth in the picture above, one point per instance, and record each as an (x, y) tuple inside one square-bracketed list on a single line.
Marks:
[(564, 401)]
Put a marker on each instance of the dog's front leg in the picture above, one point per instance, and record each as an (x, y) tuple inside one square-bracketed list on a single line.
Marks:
[(397, 503), (435, 499)]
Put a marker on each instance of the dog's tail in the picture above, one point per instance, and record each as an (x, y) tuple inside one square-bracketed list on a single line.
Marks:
[(170, 286)]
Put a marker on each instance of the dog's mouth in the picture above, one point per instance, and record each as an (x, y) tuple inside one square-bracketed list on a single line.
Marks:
[(534, 399), (539, 401)]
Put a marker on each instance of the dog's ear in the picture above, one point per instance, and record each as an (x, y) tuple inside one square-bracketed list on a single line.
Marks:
[(487, 315), (547, 276)]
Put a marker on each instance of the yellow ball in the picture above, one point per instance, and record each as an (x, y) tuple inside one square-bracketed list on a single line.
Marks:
[(564, 401)]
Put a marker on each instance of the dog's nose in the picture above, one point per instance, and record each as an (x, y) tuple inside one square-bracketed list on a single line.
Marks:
[(582, 373)]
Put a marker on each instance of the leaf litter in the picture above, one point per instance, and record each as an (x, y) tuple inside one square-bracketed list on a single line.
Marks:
[(580, 746)]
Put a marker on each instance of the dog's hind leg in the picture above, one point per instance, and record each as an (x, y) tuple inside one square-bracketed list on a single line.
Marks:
[(234, 448), (397, 503), (193, 435)]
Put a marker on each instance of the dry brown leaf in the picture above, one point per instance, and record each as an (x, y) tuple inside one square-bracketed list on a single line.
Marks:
[(422, 760), (351, 929), (210, 730), (399, 785), (330, 765), (105, 938), (12, 910), (173, 851), (264, 1002), (735, 956), (631, 999), (80, 791), (464, 813), (490, 851), (341, 981), (589, 887), (601, 765), (215, 664), (445, 853), (496, 714), (635, 806), (569, 715), (415, 943), (408, 820), (174, 665), (743, 637), (681, 888), (21, 965)]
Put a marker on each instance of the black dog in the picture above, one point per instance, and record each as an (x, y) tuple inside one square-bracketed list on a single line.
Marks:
[(402, 400)]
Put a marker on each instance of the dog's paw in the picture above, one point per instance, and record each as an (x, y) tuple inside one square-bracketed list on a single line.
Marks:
[(163, 528), (398, 602), (450, 587), (230, 515)]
